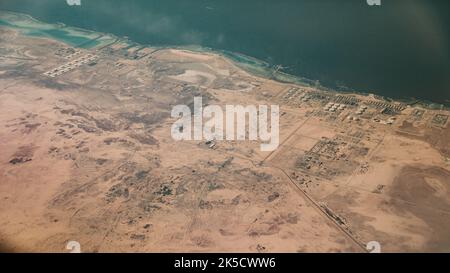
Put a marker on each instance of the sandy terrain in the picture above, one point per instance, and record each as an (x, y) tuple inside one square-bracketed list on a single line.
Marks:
[(87, 156)]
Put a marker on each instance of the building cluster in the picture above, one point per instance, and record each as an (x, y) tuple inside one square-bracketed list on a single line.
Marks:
[(349, 100), (297, 95), (304, 97), (385, 105), (361, 110), (292, 93), (334, 107), (440, 119), (73, 55), (86, 59)]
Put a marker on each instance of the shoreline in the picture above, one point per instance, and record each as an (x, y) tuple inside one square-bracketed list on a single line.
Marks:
[(89, 144), (247, 63)]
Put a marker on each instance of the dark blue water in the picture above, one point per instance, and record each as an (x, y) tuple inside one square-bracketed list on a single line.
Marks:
[(399, 50)]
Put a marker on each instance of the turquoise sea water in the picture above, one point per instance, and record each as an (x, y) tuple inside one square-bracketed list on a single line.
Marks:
[(57, 32), (61, 35), (398, 50)]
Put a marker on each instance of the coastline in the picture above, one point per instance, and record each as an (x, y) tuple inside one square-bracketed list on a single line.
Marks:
[(249, 64), (89, 155)]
